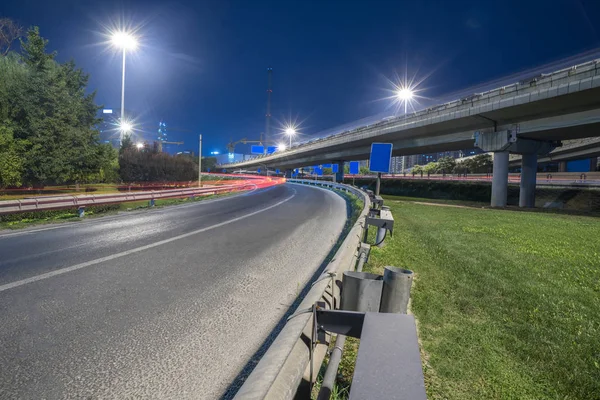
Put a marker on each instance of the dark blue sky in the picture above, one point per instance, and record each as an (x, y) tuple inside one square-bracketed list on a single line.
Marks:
[(202, 65)]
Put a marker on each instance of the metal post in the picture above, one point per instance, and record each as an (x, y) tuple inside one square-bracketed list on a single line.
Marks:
[(396, 290), (378, 184), (122, 101), (332, 367), (361, 291), (380, 237), (200, 160)]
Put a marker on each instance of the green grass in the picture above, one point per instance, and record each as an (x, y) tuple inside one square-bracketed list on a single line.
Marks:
[(507, 303)]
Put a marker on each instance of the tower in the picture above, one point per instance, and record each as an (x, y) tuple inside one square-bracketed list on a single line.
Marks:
[(162, 131), (268, 113)]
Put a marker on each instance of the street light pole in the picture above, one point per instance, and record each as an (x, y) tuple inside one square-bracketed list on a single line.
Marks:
[(122, 97), (200, 161)]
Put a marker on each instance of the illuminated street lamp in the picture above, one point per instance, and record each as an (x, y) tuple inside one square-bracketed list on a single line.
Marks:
[(125, 127), (290, 132), (124, 41), (281, 146), (405, 95)]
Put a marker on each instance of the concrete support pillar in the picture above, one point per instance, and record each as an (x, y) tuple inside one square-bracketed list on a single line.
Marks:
[(500, 179), (339, 176), (528, 178)]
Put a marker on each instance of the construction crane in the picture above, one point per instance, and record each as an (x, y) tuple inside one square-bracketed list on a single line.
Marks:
[(159, 144), (231, 145)]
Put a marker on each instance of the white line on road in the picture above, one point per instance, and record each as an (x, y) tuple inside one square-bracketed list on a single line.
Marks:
[(132, 251)]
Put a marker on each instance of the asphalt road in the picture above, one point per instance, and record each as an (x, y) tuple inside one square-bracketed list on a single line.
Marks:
[(169, 303)]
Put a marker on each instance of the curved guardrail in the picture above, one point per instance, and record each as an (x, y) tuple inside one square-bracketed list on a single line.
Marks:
[(280, 371), (58, 202)]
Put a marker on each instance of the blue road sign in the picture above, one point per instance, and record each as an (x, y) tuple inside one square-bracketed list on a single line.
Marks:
[(296, 171), (319, 171), (207, 169), (381, 157), (335, 168), (224, 170), (277, 171), (326, 165), (256, 149), (354, 167), (258, 170), (271, 149)]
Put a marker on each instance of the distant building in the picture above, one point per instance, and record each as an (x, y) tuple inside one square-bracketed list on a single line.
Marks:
[(162, 131)]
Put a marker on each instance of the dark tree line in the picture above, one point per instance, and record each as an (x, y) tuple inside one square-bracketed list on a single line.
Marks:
[(47, 119), (148, 165)]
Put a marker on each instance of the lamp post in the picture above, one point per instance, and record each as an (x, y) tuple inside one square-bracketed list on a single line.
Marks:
[(124, 41)]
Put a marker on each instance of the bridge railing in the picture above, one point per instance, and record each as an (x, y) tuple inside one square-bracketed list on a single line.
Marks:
[(283, 367)]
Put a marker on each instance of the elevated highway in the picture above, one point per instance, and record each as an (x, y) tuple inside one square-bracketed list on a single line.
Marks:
[(532, 117)]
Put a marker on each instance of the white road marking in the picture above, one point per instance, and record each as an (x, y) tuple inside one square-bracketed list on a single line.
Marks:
[(136, 250)]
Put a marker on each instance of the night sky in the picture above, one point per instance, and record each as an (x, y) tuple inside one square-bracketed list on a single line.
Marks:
[(202, 64)]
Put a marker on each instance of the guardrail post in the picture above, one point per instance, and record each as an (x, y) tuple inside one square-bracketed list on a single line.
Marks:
[(396, 290)]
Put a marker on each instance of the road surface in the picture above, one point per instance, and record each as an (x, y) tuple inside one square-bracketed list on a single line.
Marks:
[(166, 303)]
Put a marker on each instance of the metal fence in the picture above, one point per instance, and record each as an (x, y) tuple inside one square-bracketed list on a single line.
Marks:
[(61, 202)]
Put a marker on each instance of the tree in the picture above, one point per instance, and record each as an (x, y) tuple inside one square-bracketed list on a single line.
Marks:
[(209, 163), (34, 51), (364, 170), (431, 168), (146, 166), (9, 32), (11, 159), (446, 164), (50, 117), (417, 169)]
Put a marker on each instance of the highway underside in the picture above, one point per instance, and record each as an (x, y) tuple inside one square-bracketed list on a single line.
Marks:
[(166, 303)]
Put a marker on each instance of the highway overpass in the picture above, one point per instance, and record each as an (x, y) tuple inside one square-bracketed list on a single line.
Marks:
[(532, 115)]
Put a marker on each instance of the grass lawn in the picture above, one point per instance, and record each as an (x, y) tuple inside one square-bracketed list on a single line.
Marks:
[(507, 303)]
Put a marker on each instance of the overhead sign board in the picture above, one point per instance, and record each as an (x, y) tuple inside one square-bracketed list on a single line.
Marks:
[(335, 168), (381, 157), (257, 149), (277, 172), (326, 165), (107, 111), (354, 167), (271, 149), (319, 171)]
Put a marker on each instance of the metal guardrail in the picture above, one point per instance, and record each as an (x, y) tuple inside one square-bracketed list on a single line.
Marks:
[(59, 202), (281, 370)]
